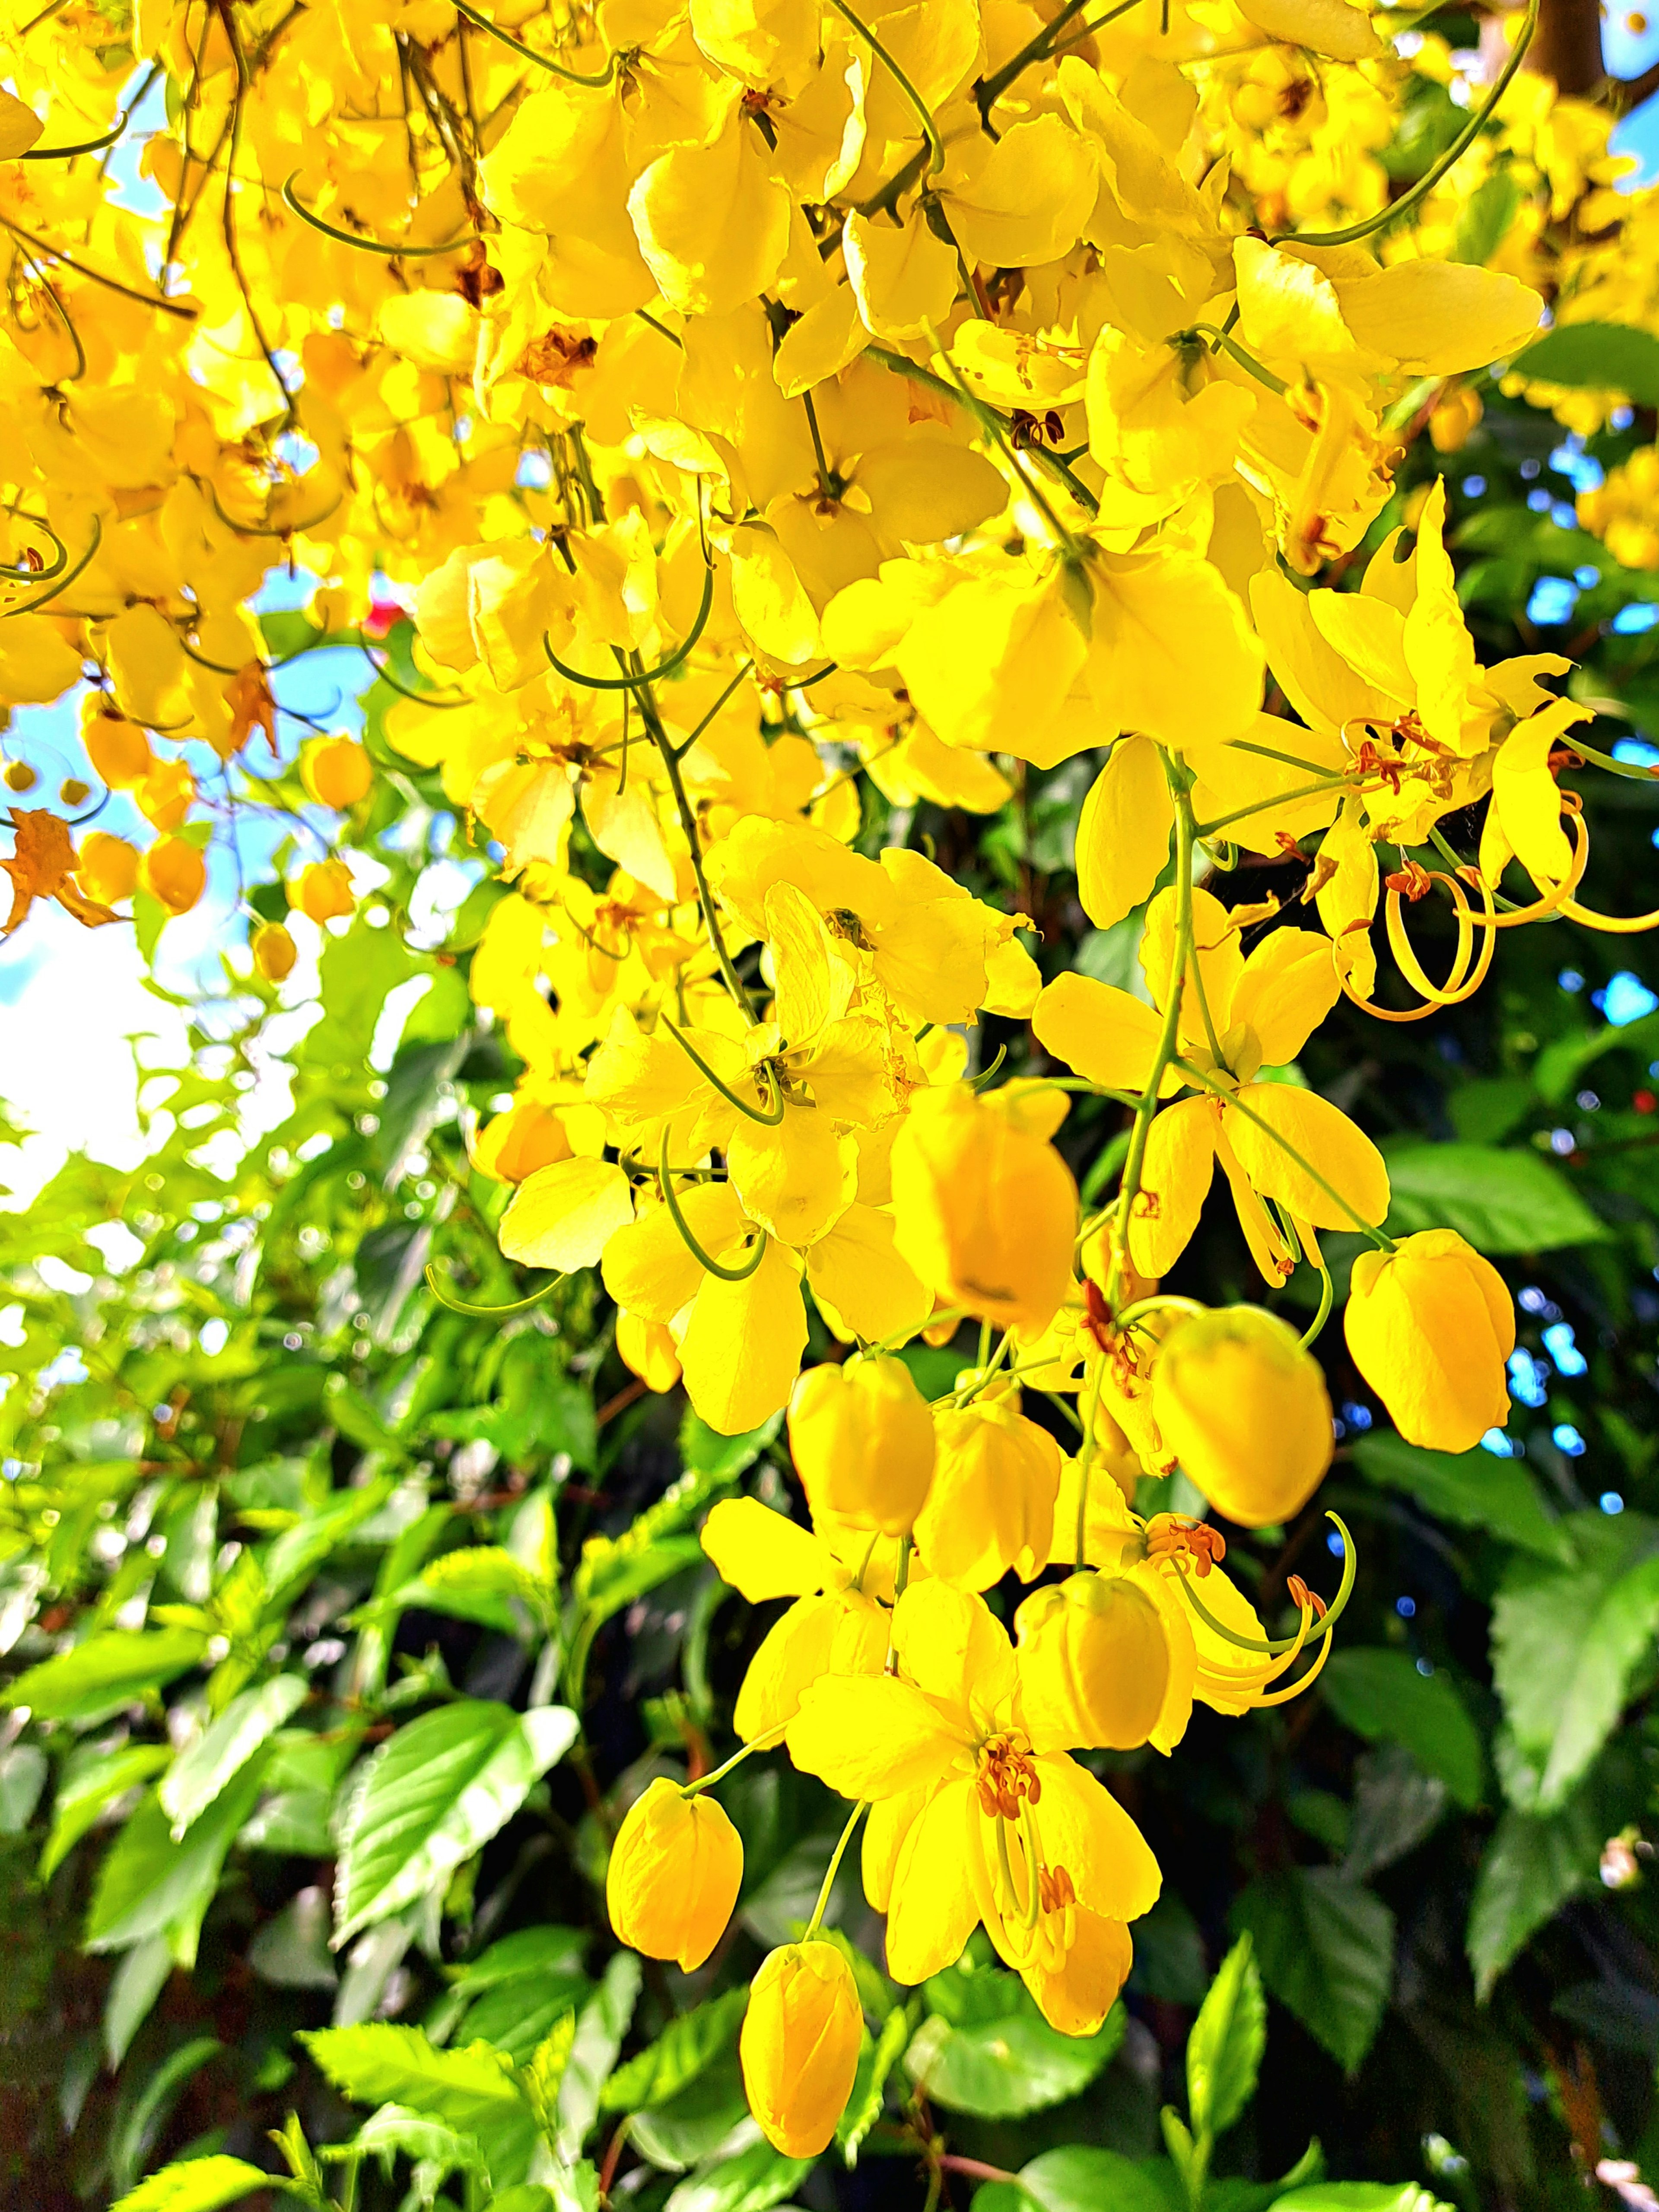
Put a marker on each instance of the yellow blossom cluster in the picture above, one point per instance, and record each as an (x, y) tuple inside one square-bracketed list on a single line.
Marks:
[(752, 395)]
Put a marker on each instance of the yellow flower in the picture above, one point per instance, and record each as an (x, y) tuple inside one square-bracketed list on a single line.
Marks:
[(799, 2045), (1094, 1663), (862, 1440), (1431, 1325), (322, 891), (274, 950), (970, 1821), (834, 1627), (108, 868), (1274, 1140), (174, 870), (1242, 1403), (676, 1868), (986, 1208), (992, 1504), (336, 772)]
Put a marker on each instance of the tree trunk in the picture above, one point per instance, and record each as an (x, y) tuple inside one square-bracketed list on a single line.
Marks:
[(1567, 46)]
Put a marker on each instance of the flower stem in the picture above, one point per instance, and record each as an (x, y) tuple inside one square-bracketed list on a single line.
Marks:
[(817, 1921)]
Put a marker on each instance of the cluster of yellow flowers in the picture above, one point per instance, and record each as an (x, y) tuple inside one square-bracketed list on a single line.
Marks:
[(760, 393)]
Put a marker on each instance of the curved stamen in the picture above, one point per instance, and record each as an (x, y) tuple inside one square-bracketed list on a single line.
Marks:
[(481, 1313), (774, 1114), (1272, 1645), (666, 1180), (632, 682)]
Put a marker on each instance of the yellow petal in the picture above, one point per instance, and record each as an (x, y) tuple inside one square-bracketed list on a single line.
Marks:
[(1324, 1136), (1123, 832), (1438, 644), (1143, 673), (1287, 987), (1525, 797), (1324, 27), (562, 1217), (713, 221), (855, 1273), (795, 1180), (1087, 1832), (1176, 1173), (904, 278), (932, 1908), (1101, 1032), (1027, 199), (765, 1554), (1237, 789), (872, 1736), (1437, 318), (20, 127), (742, 1347), (952, 1645)]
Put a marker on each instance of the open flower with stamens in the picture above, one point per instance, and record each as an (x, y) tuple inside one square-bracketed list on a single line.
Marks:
[(968, 1823)]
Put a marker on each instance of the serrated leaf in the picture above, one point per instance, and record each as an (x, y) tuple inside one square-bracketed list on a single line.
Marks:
[(150, 1884), (753, 2181), (471, 2090), (1004, 2068), (109, 1669), (1500, 1200), (1566, 1644), (600, 2026), (1325, 1950), (1360, 2196), (1224, 2052), (433, 1795), (1596, 356), (870, 2083), (1082, 2178), (681, 2052), (197, 2185), (397, 2128), (194, 1781), (1474, 1489), (1530, 1868), (81, 1802), (1379, 1694), (542, 2074)]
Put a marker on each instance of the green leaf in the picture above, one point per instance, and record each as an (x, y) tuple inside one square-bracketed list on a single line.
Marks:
[(151, 1885), (753, 2181), (136, 1983), (295, 1556), (1502, 1201), (195, 1780), (1224, 2052), (1395, 1805), (600, 2028), (82, 1796), (357, 972), (1530, 1868), (1565, 1646), (1360, 2196), (1379, 1694), (1326, 1948), (998, 2057), (693, 2125), (723, 1459), (876, 2063), (110, 1668), (684, 2049), (396, 2128), (1474, 1489), (197, 2185), (1484, 221), (23, 1777), (474, 2091), (135, 2133), (542, 2076), (432, 1795), (1598, 356), (1081, 2178)]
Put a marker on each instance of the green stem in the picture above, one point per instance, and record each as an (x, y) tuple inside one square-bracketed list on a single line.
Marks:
[(1086, 1456), (1327, 1298), (1274, 1645), (817, 1921), (633, 680), (1169, 1042), (1207, 830), (1035, 50), (528, 53), (770, 1741), (929, 128), (670, 761), (1453, 155), (1223, 343), (1231, 1098)]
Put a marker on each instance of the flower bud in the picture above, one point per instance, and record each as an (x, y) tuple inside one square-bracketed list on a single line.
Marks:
[(322, 891), (863, 1441), (1431, 1325), (799, 2046), (1094, 1664), (1241, 1402), (166, 793), (273, 951), (992, 1505), (119, 751), (528, 1136), (986, 1209), (108, 868), (675, 1871), (174, 872), (336, 772), (18, 776)]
